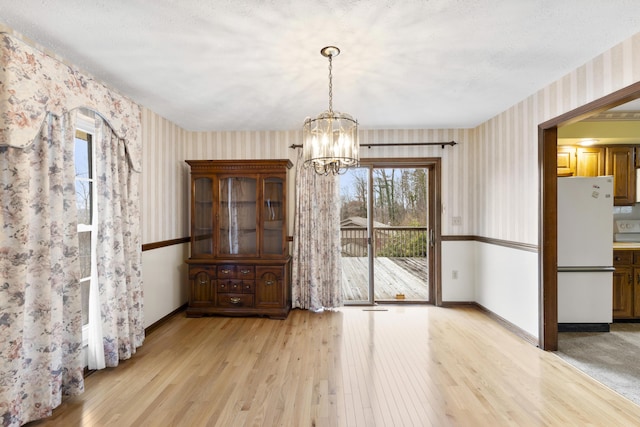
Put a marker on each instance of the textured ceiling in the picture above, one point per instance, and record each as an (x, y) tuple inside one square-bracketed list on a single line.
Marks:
[(242, 64)]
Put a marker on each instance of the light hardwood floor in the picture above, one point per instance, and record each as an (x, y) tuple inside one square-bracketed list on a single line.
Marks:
[(382, 366)]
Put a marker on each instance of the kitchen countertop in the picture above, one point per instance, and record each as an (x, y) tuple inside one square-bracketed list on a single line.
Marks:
[(626, 245)]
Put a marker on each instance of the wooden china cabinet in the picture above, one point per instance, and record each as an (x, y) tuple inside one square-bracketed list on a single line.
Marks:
[(239, 263)]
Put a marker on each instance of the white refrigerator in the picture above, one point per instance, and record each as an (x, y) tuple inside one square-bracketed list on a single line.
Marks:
[(585, 250)]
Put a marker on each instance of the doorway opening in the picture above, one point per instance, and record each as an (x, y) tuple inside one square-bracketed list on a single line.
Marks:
[(388, 236), (548, 242)]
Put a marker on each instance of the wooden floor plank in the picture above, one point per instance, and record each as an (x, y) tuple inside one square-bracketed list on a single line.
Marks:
[(409, 365)]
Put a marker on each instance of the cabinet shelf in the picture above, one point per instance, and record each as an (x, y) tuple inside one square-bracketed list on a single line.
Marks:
[(202, 231), (273, 225), (238, 202)]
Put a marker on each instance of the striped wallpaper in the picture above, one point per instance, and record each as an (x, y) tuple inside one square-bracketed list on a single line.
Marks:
[(489, 180), (504, 181), (164, 187), (165, 176)]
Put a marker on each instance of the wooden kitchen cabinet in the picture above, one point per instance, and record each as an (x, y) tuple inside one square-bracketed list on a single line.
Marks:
[(636, 293), (626, 284), (623, 293), (590, 161), (567, 161), (239, 263), (620, 162), (581, 161), (617, 160)]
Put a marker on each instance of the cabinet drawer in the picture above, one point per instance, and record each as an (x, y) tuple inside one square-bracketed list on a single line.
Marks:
[(229, 286), (227, 271), (248, 287), (636, 257), (623, 257), (245, 272), (232, 271), (235, 300), (242, 286)]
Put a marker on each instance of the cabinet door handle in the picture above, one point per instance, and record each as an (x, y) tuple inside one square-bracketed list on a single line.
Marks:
[(203, 282), (269, 282), (617, 258), (245, 271), (234, 300), (225, 271)]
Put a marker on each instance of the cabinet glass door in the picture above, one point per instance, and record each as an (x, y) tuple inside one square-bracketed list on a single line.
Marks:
[(238, 223), (272, 216), (202, 217)]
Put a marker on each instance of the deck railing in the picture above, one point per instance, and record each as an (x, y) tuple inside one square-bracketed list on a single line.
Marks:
[(387, 241)]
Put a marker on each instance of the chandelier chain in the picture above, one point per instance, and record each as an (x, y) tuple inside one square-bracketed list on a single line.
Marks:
[(330, 85)]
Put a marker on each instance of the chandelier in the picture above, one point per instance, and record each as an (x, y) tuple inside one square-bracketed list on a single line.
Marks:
[(330, 141)]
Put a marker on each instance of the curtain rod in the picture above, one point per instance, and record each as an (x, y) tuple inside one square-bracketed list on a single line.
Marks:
[(396, 144)]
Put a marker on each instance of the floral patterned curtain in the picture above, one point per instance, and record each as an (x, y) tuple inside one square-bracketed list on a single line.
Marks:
[(34, 84), (40, 304), (40, 296), (119, 249), (317, 262)]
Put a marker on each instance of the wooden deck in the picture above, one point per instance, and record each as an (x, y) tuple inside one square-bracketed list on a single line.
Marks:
[(392, 276)]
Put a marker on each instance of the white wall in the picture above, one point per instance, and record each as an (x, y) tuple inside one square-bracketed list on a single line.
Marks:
[(458, 257), (164, 273), (503, 280), (507, 284)]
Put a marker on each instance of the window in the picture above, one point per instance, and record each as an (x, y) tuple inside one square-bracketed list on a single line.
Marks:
[(84, 155)]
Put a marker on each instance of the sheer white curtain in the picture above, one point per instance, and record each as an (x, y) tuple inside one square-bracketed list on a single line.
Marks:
[(317, 263), (119, 252), (40, 300)]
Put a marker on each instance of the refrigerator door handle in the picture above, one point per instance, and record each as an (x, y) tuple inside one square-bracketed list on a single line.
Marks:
[(594, 269)]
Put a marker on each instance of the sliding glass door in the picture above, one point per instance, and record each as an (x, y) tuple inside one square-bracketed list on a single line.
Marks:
[(355, 236), (385, 233)]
